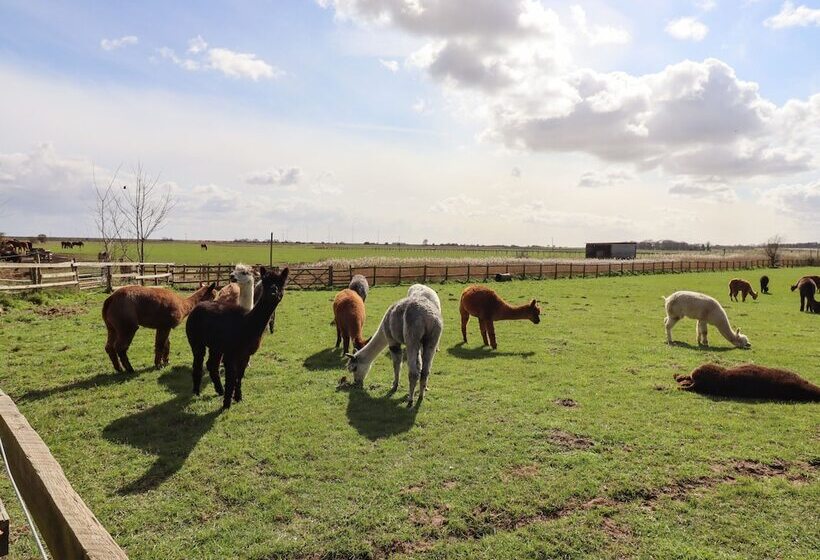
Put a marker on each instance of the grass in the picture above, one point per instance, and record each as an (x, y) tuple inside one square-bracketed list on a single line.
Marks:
[(494, 464)]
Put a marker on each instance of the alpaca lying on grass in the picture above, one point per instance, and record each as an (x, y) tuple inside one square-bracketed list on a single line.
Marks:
[(240, 290), (132, 307), (808, 288), (349, 316), (749, 381), (415, 322), (484, 303), (706, 311), (359, 285), (740, 286), (231, 336)]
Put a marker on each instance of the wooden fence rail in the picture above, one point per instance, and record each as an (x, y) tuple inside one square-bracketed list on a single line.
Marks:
[(28, 276)]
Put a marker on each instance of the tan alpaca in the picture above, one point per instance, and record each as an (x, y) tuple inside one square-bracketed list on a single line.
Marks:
[(738, 286), (484, 303)]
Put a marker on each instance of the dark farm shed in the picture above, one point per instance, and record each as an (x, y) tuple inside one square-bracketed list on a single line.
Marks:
[(622, 250)]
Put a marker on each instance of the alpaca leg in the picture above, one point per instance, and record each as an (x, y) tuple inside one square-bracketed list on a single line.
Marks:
[(240, 374), (464, 318), (413, 371), (482, 326), (491, 333), (395, 355), (214, 358), (160, 340), (670, 322), (230, 383), (346, 343), (428, 353), (702, 332), (196, 369), (124, 340), (338, 337), (109, 348)]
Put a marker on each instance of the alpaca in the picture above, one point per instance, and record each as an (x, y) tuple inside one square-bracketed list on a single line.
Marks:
[(807, 289), (359, 285), (707, 311), (257, 295), (240, 290), (738, 285), (349, 316), (420, 290), (131, 307), (231, 336), (484, 303), (764, 284), (415, 322), (815, 279), (749, 381)]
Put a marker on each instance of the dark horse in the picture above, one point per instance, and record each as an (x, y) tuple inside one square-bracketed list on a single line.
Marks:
[(203, 246)]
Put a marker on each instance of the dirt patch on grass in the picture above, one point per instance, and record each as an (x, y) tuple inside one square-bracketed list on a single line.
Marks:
[(524, 471), (615, 531), (58, 311), (754, 468), (569, 442), (421, 517), (569, 403), (449, 484)]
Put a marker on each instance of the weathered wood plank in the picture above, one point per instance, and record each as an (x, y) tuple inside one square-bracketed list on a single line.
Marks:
[(68, 527)]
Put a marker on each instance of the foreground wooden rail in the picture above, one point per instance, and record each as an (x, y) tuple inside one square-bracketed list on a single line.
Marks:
[(69, 529)]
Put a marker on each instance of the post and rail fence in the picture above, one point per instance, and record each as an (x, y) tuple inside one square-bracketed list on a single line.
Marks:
[(109, 275)]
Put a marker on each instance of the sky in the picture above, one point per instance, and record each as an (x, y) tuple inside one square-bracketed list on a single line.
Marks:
[(471, 121)]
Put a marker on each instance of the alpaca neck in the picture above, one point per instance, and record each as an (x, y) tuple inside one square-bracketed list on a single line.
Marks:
[(246, 296), (259, 317), (725, 329), (372, 349), (190, 302), (508, 312)]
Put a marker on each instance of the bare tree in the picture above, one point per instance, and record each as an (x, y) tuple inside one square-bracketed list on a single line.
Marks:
[(772, 250), (144, 207), (109, 220)]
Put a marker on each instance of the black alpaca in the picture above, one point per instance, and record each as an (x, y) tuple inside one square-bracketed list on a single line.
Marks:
[(764, 284), (232, 336)]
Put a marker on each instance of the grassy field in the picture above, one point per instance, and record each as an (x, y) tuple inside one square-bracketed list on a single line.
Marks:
[(569, 441)]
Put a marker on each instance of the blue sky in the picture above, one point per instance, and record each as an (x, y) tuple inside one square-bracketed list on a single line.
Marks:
[(472, 121)]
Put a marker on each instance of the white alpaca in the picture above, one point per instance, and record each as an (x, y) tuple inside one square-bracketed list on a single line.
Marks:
[(705, 310), (415, 322), (240, 290), (420, 290)]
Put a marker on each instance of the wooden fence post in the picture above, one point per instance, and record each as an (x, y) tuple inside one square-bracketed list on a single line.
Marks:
[(109, 279), (329, 276), (76, 270), (400, 278), (468, 272), (424, 275), (374, 275)]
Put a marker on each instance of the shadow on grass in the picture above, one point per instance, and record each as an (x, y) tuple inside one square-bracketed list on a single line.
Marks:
[(378, 417), (482, 352), (328, 358), (99, 380), (166, 431), (705, 348)]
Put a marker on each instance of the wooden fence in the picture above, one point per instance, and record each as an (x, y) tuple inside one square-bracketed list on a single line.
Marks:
[(80, 275)]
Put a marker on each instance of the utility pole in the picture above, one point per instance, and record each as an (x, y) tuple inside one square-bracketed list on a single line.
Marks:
[(270, 257)]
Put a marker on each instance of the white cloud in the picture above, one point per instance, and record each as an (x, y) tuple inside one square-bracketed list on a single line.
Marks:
[(706, 5), (794, 16), (459, 205), (516, 172), (421, 106), (606, 178), (714, 191), (113, 44), (231, 63), (599, 34), (800, 200), (391, 65), (687, 29), (280, 177)]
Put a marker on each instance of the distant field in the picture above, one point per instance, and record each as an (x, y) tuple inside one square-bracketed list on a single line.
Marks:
[(295, 253)]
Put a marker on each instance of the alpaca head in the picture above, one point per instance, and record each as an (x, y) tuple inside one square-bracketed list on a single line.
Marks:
[(243, 275), (207, 291), (741, 340), (273, 285), (534, 312), (358, 367), (754, 294)]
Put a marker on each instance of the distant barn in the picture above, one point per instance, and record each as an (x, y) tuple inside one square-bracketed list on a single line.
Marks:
[(624, 250)]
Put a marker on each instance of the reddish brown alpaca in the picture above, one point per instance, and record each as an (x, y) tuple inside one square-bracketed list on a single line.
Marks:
[(484, 303), (349, 315), (737, 286), (132, 307), (749, 381)]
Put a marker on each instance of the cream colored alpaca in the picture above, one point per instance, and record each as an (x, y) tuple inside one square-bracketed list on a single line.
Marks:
[(705, 310), (240, 290)]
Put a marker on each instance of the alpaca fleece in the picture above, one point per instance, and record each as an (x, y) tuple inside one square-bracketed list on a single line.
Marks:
[(749, 381)]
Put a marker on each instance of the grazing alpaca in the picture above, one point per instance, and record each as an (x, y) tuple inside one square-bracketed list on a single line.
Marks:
[(203, 246), (415, 322), (131, 307), (815, 279), (749, 381), (484, 303), (359, 285), (807, 289), (231, 336), (764, 284), (240, 290), (349, 315), (738, 285), (420, 290), (707, 311)]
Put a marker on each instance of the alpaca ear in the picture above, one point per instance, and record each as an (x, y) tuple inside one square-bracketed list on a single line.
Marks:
[(533, 303), (284, 275), (262, 271), (212, 286), (737, 331)]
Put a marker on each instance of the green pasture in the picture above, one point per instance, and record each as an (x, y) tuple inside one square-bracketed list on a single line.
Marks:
[(569, 441)]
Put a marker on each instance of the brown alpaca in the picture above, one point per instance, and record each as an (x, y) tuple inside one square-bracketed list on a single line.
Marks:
[(132, 307), (749, 381), (738, 285), (807, 289), (815, 279), (484, 303), (349, 315)]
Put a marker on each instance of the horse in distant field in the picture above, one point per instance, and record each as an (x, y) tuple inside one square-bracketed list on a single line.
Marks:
[(203, 246)]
